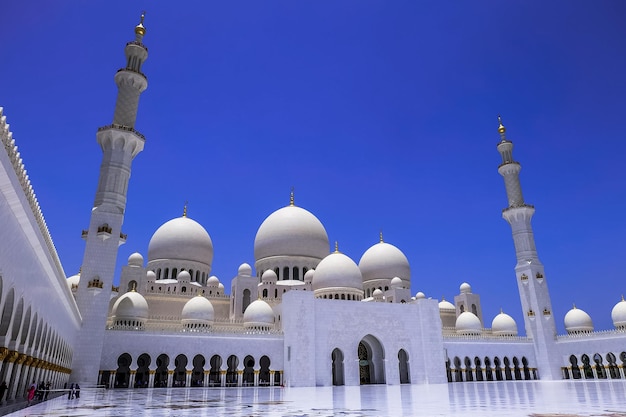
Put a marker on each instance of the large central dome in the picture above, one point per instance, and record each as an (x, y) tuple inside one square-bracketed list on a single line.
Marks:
[(291, 231), (181, 238)]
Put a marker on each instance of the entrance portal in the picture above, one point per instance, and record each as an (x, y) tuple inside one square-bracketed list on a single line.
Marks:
[(371, 361)]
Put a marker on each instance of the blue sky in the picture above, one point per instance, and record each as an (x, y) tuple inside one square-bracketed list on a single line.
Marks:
[(380, 114)]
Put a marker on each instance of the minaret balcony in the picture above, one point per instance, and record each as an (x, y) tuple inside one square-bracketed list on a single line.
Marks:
[(121, 127), (104, 232), (122, 240), (84, 234), (134, 72), (523, 205)]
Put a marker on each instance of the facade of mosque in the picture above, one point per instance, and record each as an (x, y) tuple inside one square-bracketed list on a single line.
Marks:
[(306, 317)]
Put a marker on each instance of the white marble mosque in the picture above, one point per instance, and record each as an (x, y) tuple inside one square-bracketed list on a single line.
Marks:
[(301, 316)]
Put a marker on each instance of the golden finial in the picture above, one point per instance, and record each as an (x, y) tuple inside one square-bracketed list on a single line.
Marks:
[(622, 297), (501, 312), (185, 209), (501, 128), (381, 236), (134, 287), (140, 30), (574, 304), (336, 247), (291, 203)]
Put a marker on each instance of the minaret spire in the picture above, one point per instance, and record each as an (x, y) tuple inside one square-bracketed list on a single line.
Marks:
[(120, 143), (531, 283)]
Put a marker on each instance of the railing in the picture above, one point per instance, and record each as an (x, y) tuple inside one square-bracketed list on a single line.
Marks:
[(586, 335), (518, 206), (121, 127), (138, 44), (133, 71)]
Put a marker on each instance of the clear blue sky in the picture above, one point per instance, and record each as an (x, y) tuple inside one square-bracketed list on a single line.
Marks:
[(381, 115)]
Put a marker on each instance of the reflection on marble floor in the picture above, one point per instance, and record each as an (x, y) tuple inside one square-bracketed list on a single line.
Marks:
[(513, 398)]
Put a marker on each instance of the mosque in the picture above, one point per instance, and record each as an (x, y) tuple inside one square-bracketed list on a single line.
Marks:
[(301, 316)]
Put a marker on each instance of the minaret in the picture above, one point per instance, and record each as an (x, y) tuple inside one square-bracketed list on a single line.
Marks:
[(120, 143), (531, 282)]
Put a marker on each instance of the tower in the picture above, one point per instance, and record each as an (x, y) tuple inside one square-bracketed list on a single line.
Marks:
[(120, 143), (531, 282)]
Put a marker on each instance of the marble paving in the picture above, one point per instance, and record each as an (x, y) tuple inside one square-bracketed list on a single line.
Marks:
[(512, 398)]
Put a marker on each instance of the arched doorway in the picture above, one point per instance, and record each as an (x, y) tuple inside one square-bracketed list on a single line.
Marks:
[(180, 373), (122, 375), (248, 370), (403, 364), (264, 372), (337, 366), (214, 373), (371, 356), (197, 376), (143, 371), (231, 372), (160, 376)]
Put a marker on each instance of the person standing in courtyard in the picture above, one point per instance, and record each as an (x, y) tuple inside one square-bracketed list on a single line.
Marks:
[(77, 389), (70, 392), (31, 392)]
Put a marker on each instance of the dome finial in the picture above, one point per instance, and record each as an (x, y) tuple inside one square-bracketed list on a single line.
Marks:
[(622, 297), (574, 306), (501, 128), (185, 209), (134, 287), (501, 310), (336, 247), (381, 236), (291, 199), (140, 30)]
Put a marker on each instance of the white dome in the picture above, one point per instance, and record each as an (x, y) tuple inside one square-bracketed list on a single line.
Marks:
[(269, 276), (183, 276), (244, 270), (213, 281), (468, 323), (73, 280), (220, 286), (420, 295), (385, 261), (578, 321), (135, 259), (445, 305), (258, 314), (131, 305), (198, 310), (377, 293), (618, 314), (291, 231), (181, 238), (504, 325), (396, 282), (308, 277), (151, 276), (465, 288), (337, 271)]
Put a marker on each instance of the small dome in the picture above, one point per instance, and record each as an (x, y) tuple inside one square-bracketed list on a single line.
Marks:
[(445, 305), (377, 294), (244, 270), (73, 280), (258, 314), (308, 277), (213, 281), (504, 325), (465, 288), (337, 271), (421, 295), (269, 276), (578, 321), (183, 276), (131, 305), (183, 239), (220, 286), (151, 276), (468, 323), (385, 261), (198, 310), (135, 259), (396, 282), (618, 314), (291, 231)]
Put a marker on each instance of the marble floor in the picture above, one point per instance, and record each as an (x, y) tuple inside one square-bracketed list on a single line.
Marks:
[(512, 398)]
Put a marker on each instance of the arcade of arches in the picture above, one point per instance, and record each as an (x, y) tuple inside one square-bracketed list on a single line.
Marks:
[(181, 371), (594, 367), (31, 347)]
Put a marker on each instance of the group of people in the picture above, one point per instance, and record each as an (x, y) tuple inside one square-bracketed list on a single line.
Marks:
[(73, 392), (40, 391)]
